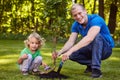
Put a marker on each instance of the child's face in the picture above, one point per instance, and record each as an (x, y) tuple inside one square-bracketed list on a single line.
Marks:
[(33, 44)]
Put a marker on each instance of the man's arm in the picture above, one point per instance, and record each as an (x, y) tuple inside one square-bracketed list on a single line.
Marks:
[(69, 43), (93, 31)]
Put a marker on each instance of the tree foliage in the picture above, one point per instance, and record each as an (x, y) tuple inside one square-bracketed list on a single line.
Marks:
[(51, 18)]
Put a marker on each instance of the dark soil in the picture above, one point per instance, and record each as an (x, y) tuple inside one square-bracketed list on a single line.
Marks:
[(52, 75)]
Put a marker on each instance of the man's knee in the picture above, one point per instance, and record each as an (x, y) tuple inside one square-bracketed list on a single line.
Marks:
[(98, 37), (71, 57)]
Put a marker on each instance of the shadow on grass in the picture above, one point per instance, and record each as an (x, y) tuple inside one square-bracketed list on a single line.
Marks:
[(9, 69)]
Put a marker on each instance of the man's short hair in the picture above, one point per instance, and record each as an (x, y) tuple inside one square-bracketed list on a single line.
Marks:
[(76, 5)]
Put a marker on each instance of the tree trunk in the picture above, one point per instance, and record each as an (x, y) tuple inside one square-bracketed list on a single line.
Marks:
[(32, 12), (94, 7), (83, 3), (101, 8), (112, 18), (74, 1)]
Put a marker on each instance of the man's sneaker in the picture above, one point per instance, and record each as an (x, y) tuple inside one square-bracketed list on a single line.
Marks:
[(25, 72), (88, 69), (96, 73)]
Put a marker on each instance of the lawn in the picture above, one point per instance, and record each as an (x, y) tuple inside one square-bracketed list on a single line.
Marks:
[(9, 53)]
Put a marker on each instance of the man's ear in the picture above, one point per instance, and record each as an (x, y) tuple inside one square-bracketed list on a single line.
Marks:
[(85, 11)]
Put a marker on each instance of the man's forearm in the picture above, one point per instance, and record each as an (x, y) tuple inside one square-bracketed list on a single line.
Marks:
[(66, 47), (86, 40)]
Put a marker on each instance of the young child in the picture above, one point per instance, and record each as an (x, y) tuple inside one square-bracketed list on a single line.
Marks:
[(30, 58)]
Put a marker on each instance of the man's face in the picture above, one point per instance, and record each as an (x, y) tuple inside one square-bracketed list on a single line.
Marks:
[(80, 15)]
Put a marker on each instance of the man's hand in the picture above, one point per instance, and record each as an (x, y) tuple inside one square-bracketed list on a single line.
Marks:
[(65, 56), (54, 55)]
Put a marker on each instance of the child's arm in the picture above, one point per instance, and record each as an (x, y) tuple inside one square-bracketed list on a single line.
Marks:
[(44, 64), (46, 67), (20, 60), (23, 57)]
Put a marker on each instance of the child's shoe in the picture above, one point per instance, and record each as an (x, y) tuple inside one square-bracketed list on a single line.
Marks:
[(35, 72), (47, 68), (25, 72)]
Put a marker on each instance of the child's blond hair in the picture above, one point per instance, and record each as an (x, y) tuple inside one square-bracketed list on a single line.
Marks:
[(37, 36)]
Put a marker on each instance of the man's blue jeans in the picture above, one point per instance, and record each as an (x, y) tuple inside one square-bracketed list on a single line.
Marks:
[(92, 54)]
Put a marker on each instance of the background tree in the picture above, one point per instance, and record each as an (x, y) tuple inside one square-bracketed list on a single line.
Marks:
[(101, 8), (112, 17), (18, 18)]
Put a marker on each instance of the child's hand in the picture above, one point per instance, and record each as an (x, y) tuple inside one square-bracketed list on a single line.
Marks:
[(47, 68), (20, 60), (24, 56)]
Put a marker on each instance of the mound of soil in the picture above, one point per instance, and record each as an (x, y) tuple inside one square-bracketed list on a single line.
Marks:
[(52, 75)]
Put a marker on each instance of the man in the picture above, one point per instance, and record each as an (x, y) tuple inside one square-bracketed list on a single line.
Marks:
[(96, 44)]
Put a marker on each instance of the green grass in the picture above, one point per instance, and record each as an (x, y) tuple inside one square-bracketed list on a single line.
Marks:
[(10, 50)]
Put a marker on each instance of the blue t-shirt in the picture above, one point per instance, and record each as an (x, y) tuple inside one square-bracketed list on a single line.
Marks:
[(94, 20)]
